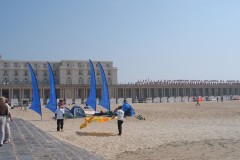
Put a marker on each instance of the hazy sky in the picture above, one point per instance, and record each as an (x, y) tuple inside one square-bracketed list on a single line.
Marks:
[(155, 39)]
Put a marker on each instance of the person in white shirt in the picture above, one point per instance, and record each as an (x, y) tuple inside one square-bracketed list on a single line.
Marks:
[(120, 114), (59, 116)]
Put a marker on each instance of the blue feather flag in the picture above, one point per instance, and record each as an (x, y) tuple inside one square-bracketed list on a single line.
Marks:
[(36, 104), (104, 102), (52, 103), (91, 100)]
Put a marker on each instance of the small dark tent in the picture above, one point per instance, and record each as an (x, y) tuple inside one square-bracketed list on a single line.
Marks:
[(67, 113), (128, 110), (78, 111)]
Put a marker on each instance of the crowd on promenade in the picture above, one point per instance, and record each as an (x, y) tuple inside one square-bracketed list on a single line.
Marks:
[(187, 82)]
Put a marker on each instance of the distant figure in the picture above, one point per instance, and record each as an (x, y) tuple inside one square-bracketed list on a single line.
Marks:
[(217, 99), (120, 115), (7, 127), (59, 116), (222, 99), (197, 104), (86, 106), (25, 107)]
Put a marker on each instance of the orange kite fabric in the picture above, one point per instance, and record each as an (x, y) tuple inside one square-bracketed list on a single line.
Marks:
[(95, 119)]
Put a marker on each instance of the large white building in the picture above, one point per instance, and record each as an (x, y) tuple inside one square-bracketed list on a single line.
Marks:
[(72, 78)]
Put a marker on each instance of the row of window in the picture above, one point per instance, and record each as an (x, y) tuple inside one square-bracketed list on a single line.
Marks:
[(80, 81), (80, 65), (24, 81), (89, 72), (45, 73), (35, 65), (45, 81), (5, 73), (16, 65)]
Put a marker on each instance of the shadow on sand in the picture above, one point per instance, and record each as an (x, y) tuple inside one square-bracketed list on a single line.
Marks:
[(35, 120), (96, 134)]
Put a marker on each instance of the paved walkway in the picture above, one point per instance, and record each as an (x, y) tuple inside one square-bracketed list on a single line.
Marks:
[(30, 143)]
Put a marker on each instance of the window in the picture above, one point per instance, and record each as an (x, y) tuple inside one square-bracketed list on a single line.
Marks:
[(44, 65), (25, 73), (68, 64), (98, 72), (80, 72), (15, 65), (80, 80), (109, 72), (88, 81), (25, 81), (69, 81), (97, 65), (107, 65), (16, 73), (25, 65), (98, 80), (16, 81), (5, 65), (79, 65), (68, 72), (5, 81), (44, 73), (36, 73), (89, 72), (5, 73), (55, 73), (45, 81), (109, 81), (35, 65)]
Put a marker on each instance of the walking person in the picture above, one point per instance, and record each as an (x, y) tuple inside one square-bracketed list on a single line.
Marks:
[(7, 127), (119, 112), (3, 115), (59, 116), (197, 104)]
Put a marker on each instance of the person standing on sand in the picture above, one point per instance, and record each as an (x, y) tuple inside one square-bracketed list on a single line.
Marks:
[(197, 104), (7, 127), (3, 115), (59, 116), (119, 112)]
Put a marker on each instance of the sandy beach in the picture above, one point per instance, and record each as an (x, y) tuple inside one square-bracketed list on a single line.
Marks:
[(170, 131)]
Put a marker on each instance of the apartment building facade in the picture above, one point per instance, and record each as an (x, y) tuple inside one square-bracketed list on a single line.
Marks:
[(72, 78)]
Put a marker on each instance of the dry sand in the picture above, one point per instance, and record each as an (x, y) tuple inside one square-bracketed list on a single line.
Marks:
[(170, 131)]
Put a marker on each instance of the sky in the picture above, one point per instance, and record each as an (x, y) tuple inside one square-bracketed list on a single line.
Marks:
[(145, 39)]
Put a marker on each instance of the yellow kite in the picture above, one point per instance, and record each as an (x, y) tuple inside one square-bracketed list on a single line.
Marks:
[(95, 119)]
